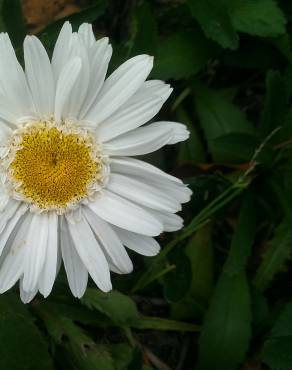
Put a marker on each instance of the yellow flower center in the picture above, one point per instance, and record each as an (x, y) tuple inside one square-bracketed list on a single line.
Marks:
[(53, 166)]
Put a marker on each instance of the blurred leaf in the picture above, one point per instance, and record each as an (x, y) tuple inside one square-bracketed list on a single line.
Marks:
[(146, 37), (122, 355), (260, 308), (14, 21), (213, 17), (275, 103), (157, 323), (243, 236), (277, 348), (90, 14), (234, 147), (218, 116), (226, 329), (200, 252), (182, 55), (176, 282), (2, 23), (275, 257), (117, 306), (252, 54), (82, 352), (20, 337), (257, 17), (192, 149)]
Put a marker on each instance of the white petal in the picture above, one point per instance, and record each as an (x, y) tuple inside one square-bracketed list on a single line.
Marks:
[(65, 85), (40, 76), (10, 226), (26, 297), (135, 167), (138, 110), (78, 93), (77, 274), (119, 87), (141, 244), (147, 139), (13, 82), (170, 221), (125, 214), (100, 56), (85, 31), (91, 254), (179, 131), (36, 251), (151, 175), (13, 265), (48, 274), (8, 212), (142, 193), (111, 244), (61, 50), (4, 198), (141, 141), (5, 134)]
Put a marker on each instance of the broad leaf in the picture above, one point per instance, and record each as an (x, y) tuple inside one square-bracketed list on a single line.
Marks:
[(218, 116), (276, 103), (277, 348), (200, 252), (117, 306), (213, 16), (182, 55), (258, 17), (20, 338), (226, 329)]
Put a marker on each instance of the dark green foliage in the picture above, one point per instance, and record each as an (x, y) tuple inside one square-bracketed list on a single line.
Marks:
[(277, 347), (218, 296)]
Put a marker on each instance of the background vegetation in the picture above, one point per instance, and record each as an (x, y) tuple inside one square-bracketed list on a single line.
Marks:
[(218, 297)]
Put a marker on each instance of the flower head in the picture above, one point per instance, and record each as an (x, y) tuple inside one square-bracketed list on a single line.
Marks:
[(70, 189)]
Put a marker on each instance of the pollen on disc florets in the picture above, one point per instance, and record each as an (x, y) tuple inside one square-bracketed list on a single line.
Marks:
[(53, 166)]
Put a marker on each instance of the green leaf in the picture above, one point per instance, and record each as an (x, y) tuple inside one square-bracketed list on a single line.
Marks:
[(226, 329), (117, 306), (192, 149), (122, 355), (176, 282), (218, 116), (276, 103), (275, 257), (200, 252), (146, 37), (258, 17), (234, 147), (157, 323), (213, 16), (14, 21), (182, 55), (80, 350), (227, 325), (20, 338), (243, 236), (277, 348)]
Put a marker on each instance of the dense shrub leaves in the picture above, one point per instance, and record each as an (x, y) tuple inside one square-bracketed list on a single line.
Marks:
[(229, 269)]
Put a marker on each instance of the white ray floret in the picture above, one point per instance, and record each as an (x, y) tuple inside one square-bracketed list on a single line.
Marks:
[(69, 188)]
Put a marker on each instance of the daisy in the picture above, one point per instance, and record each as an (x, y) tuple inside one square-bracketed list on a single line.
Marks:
[(71, 190)]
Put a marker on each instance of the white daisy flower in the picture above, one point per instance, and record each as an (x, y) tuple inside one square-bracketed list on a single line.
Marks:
[(70, 189)]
